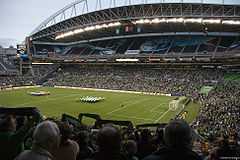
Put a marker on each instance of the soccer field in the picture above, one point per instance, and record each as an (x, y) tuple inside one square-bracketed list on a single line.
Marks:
[(137, 108)]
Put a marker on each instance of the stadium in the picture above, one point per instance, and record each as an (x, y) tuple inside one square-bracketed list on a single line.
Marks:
[(135, 64)]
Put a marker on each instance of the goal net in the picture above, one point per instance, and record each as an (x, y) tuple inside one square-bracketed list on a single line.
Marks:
[(173, 105)]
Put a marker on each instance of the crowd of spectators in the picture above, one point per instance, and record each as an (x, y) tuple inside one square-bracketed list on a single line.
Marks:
[(220, 108), (58, 140), (220, 111), (174, 81), (218, 121), (29, 77), (15, 80)]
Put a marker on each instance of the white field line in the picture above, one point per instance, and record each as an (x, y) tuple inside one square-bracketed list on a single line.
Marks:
[(118, 91), (47, 100), (132, 117), (162, 116), (118, 109), (121, 108), (156, 107)]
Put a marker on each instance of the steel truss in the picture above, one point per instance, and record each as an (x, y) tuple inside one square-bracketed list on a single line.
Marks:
[(51, 27)]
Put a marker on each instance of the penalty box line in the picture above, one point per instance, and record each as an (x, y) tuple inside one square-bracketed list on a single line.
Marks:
[(127, 105), (157, 120), (162, 116), (132, 117), (158, 106)]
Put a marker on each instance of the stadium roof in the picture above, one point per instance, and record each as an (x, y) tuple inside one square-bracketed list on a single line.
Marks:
[(82, 7)]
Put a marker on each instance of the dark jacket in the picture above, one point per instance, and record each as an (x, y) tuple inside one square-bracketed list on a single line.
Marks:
[(173, 154), (108, 156), (11, 143)]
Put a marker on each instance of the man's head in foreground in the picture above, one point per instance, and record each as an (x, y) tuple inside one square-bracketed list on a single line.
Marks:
[(109, 139), (178, 134), (46, 136)]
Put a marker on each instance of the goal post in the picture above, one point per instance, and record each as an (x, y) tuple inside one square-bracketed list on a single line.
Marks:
[(173, 105)]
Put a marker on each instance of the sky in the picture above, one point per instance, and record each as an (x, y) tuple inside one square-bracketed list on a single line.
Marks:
[(18, 18)]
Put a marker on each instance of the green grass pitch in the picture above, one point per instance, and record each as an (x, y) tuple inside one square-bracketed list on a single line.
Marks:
[(137, 108)]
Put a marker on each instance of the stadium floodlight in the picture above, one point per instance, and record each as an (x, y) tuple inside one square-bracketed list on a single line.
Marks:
[(186, 20), (68, 34), (163, 20), (111, 24), (114, 24), (105, 26), (117, 24), (78, 31), (179, 20), (127, 60), (231, 22), (141, 21), (193, 20), (154, 59), (146, 21), (59, 36), (175, 20), (89, 28), (156, 20), (38, 63), (99, 27), (212, 21)]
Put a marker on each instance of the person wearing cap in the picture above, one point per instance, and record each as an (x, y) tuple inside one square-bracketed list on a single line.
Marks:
[(178, 143), (11, 139), (46, 138)]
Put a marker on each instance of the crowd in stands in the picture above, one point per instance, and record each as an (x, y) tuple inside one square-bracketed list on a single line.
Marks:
[(15, 80), (31, 77), (220, 108), (7, 65), (41, 70), (53, 139), (56, 141), (218, 121), (220, 111), (174, 81)]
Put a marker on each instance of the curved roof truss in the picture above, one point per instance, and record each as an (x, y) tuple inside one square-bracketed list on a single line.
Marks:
[(81, 7), (135, 12)]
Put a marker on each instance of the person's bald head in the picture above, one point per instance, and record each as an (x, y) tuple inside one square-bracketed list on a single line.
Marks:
[(109, 139)]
